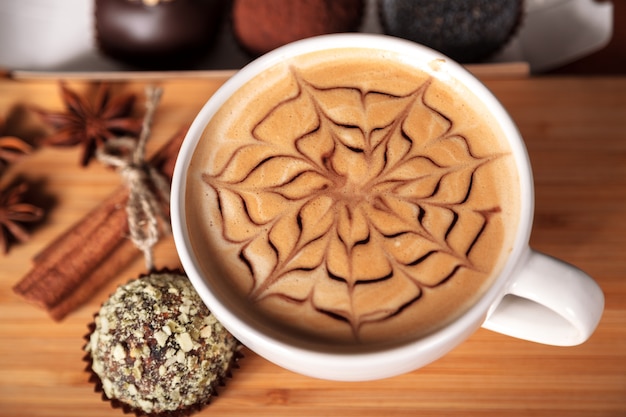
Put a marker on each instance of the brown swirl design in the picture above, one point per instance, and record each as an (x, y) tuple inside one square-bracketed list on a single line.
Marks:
[(352, 203)]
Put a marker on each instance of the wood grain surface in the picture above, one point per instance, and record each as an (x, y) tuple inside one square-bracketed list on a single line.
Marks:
[(575, 129)]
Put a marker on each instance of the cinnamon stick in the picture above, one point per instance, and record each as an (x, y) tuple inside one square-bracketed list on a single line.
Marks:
[(115, 261), (68, 260), (76, 264)]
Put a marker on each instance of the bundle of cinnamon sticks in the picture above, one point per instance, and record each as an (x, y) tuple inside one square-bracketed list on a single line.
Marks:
[(79, 262)]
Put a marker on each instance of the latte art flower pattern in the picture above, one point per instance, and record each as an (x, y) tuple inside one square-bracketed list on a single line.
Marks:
[(360, 196)]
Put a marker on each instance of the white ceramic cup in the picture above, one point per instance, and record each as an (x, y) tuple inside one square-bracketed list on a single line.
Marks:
[(535, 297)]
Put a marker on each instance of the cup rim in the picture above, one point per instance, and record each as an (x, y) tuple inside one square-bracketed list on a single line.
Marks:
[(396, 359)]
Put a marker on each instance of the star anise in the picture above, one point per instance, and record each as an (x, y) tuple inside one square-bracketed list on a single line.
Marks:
[(11, 148), (14, 212), (91, 124)]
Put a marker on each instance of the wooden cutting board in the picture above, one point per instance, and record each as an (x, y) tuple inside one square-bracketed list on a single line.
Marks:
[(575, 130)]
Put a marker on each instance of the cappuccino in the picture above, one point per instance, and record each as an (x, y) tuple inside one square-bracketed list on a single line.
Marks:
[(345, 196)]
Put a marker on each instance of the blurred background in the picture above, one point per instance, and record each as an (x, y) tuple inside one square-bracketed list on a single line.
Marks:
[(556, 36), (610, 59)]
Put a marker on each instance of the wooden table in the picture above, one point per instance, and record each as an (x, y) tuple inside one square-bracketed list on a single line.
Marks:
[(575, 129)]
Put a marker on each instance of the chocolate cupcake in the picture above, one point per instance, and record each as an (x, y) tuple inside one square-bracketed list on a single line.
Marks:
[(157, 34), (465, 30), (260, 26), (155, 349)]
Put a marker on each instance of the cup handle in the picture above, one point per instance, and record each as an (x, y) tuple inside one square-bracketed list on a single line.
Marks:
[(549, 302)]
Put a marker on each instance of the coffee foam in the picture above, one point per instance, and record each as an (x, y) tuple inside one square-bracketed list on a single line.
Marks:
[(348, 197)]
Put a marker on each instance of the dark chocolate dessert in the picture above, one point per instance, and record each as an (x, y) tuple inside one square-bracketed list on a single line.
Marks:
[(156, 349), (465, 30), (157, 34), (260, 26)]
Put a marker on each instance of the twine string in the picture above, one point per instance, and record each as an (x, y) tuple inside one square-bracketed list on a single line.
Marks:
[(148, 189)]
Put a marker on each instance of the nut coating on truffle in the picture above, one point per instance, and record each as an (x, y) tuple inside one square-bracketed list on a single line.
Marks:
[(157, 348)]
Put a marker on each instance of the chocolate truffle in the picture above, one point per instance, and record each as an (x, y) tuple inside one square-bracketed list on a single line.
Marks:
[(464, 30), (156, 349), (157, 34), (260, 26)]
